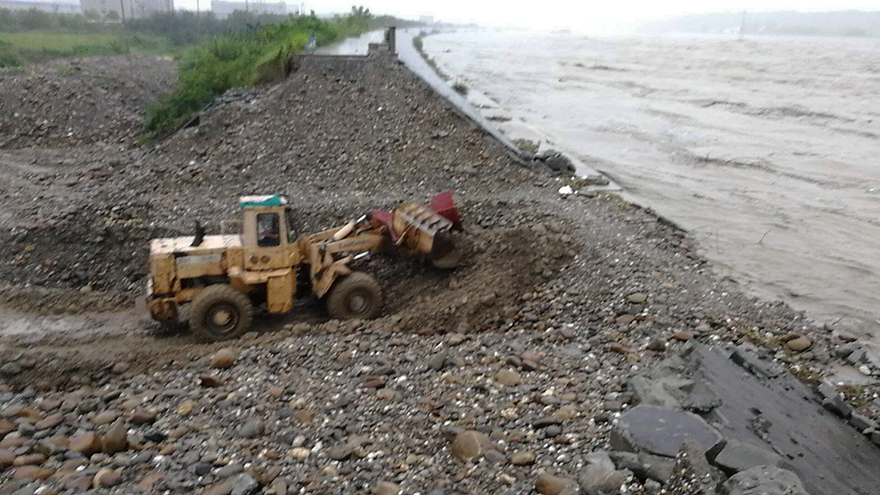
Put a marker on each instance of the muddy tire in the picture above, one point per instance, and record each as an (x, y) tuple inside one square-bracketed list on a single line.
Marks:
[(220, 312), (357, 296)]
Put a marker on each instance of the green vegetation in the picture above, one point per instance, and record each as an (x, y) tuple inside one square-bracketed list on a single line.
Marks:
[(215, 55), (33, 35), (527, 145), (18, 47), (855, 394), (254, 56)]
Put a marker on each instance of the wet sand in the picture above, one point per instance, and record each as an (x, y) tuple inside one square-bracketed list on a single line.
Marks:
[(766, 149)]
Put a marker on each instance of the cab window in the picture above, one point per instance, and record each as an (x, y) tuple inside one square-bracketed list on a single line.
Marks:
[(268, 230)]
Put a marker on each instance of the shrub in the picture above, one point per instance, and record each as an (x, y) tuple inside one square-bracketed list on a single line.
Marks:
[(10, 60), (36, 19), (258, 54)]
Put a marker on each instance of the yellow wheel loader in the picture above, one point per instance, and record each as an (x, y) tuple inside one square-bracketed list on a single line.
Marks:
[(225, 276)]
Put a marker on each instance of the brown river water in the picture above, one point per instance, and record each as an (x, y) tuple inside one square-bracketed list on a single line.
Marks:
[(767, 149)]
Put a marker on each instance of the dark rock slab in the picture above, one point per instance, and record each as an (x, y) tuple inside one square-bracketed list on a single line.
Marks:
[(649, 394), (838, 405), (754, 365), (826, 453), (632, 462), (700, 398), (661, 431), (739, 456), (657, 467), (862, 422)]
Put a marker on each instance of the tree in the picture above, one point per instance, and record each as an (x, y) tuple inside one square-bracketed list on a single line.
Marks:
[(360, 11), (36, 19), (92, 15), (7, 21), (112, 16)]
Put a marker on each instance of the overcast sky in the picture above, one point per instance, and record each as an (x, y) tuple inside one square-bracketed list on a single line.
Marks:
[(598, 16)]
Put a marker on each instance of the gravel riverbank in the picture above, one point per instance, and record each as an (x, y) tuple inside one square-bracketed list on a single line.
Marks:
[(504, 376)]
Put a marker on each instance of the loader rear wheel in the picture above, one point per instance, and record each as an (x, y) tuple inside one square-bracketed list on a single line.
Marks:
[(220, 312), (357, 296)]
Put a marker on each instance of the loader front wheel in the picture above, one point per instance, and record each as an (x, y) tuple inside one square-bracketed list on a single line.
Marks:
[(357, 296), (220, 312)]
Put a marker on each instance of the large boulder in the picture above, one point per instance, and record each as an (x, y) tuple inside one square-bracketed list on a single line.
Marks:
[(86, 444), (116, 438), (470, 445), (662, 432), (557, 162), (600, 476), (548, 484), (764, 480), (222, 359)]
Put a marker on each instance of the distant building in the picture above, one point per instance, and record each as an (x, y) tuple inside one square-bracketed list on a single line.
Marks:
[(56, 7), (222, 8), (127, 9), (426, 19)]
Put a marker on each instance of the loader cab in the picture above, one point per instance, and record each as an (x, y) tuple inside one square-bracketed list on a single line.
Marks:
[(266, 232)]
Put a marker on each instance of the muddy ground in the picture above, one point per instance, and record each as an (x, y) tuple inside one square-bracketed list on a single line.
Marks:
[(560, 300)]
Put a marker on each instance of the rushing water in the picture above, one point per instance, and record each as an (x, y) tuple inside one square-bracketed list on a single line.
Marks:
[(766, 149)]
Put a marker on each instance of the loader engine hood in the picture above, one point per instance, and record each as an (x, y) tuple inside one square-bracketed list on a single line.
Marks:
[(175, 259), (183, 245)]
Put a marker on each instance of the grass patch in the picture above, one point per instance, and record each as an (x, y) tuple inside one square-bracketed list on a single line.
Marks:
[(248, 58), (460, 88), (9, 60), (526, 145), (855, 394), (18, 48), (52, 40)]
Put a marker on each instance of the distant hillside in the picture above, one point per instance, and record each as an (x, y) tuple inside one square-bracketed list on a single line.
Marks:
[(842, 23)]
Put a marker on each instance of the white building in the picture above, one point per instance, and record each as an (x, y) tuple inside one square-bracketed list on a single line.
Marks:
[(55, 7)]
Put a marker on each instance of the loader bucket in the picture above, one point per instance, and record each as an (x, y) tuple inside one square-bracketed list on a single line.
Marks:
[(444, 254), (422, 230), (445, 207)]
